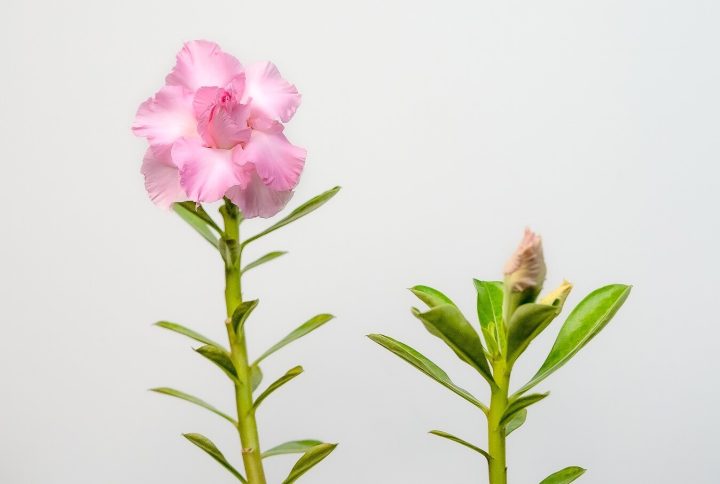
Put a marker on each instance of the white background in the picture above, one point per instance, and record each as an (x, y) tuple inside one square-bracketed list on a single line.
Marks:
[(451, 126)]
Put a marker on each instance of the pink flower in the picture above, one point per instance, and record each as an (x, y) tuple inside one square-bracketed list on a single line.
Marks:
[(526, 267), (216, 130)]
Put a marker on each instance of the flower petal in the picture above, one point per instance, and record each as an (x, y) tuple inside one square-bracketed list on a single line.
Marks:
[(166, 117), (271, 95), (207, 173), (278, 162), (258, 200), (162, 181), (202, 63), (221, 125)]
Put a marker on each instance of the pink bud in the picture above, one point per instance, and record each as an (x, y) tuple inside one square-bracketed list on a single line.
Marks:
[(526, 268)]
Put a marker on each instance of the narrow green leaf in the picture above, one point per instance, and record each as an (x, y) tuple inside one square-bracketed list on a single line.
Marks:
[(256, 376), (584, 322), (189, 398), (305, 328), (211, 449), (489, 301), (424, 365), (520, 404), (431, 297), (200, 212), (187, 332), (293, 447), (304, 209), (460, 441), (197, 222), (221, 358), (528, 321), (308, 460), (262, 260), (565, 476), (241, 313), (516, 421), (291, 373), (490, 314), (448, 323)]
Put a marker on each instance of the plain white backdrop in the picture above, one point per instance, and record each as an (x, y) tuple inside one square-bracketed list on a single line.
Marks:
[(451, 126)]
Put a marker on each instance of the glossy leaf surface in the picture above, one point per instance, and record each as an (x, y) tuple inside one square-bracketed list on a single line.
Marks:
[(264, 259), (565, 476), (583, 324), (308, 326), (528, 321), (211, 449), (187, 332), (448, 323), (308, 460), (460, 441), (221, 358), (293, 447), (424, 365), (304, 209), (291, 373), (196, 221), (520, 404), (192, 399)]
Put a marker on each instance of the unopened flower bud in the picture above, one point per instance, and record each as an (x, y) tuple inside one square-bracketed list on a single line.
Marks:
[(526, 268)]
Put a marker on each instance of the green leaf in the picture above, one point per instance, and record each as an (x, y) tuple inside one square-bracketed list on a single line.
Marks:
[(187, 332), (490, 314), (293, 447), (584, 322), (262, 260), (528, 321), (256, 376), (520, 404), (309, 459), (291, 373), (189, 398), (196, 221), (221, 358), (431, 297), (304, 209), (210, 449), (424, 365), (241, 313), (565, 476), (489, 301), (447, 323), (460, 441), (515, 421), (305, 328)]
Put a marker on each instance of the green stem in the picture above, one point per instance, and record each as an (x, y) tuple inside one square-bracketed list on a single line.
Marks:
[(496, 433), (247, 425)]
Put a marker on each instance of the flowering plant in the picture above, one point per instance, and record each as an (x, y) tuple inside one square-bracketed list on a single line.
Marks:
[(510, 318), (215, 133)]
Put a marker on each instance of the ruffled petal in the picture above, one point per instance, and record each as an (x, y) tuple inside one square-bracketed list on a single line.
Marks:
[(166, 117), (162, 181), (202, 63), (271, 95), (257, 199), (278, 162), (207, 173), (221, 124)]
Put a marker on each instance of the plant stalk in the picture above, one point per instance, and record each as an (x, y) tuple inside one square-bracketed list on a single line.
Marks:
[(496, 433), (247, 425)]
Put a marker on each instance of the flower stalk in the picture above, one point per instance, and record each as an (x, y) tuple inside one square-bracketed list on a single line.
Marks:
[(246, 423), (497, 463)]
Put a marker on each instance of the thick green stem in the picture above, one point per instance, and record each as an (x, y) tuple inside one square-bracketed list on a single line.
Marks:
[(496, 432), (247, 425)]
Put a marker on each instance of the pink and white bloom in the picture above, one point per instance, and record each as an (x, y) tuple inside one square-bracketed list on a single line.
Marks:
[(216, 130)]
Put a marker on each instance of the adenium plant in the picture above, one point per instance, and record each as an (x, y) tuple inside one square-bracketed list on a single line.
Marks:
[(215, 134), (511, 314)]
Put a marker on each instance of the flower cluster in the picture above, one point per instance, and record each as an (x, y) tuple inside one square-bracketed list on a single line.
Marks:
[(216, 130)]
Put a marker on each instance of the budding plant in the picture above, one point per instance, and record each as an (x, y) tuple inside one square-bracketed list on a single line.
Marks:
[(215, 133), (510, 317)]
